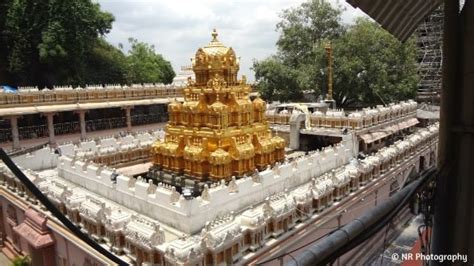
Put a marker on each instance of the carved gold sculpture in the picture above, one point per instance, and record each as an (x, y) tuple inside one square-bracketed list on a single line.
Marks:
[(218, 132)]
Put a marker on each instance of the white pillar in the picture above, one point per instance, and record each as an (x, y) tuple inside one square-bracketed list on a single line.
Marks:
[(82, 122), (128, 116), (15, 133), (50, 118)]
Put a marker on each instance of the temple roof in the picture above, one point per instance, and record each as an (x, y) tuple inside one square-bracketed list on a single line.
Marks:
[(215, 60), (215, 47)]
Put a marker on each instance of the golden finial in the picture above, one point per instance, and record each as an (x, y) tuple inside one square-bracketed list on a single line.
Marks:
[(328, 48), (214, 35)]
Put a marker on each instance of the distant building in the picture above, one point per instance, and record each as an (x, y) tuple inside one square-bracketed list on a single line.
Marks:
[(181, 79), (29, 113)]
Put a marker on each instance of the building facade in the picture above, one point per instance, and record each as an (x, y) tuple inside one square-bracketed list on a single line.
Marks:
[(31, 113)]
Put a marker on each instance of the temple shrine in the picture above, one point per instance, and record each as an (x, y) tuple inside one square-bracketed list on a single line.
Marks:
[(218, 132)]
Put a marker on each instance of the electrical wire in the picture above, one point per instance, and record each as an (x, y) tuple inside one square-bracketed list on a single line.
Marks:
[(296, 249), (368, 232), (385, 243), (318, 228)]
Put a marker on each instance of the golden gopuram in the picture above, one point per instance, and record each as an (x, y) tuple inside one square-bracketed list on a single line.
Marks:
[(218, 132)]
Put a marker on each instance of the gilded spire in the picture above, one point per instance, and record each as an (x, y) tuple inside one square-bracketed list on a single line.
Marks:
[(214, 35), (215, 58), (217, 109)]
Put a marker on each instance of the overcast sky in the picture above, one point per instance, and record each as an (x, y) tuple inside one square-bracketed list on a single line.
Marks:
[(178, 27)]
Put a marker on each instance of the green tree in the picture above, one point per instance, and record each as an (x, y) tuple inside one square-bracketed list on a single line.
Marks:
[(4, 6), (276, 81), (370, 66), (50, 42), (302, 30), (21, 261), (147, 66), (106, 64), (47, 40), (304, 27)]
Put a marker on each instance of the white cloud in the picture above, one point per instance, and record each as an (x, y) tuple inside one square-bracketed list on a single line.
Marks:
[(178, 27)]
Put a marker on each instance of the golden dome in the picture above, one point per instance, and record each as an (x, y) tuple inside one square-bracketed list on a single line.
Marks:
[(279, 142), (215, 59), (174, 106), (258, 103), (215, 47), (220, 156)]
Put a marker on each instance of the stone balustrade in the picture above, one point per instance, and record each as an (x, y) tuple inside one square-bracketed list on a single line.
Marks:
[(190, 215), (31, 96), (365, 118)]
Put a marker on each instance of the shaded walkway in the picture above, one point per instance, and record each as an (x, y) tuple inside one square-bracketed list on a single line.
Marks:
[(28, 143)]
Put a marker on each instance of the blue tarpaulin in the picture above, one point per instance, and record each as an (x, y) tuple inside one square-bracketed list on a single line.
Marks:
[(7, 88)]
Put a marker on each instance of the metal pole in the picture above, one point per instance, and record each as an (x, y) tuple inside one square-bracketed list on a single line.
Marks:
[(328, 48), (444, 222)]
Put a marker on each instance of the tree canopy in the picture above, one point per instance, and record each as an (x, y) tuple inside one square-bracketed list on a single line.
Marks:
[(370, 66), (145, 64), (51, 42), (373, 67), (280, 80)]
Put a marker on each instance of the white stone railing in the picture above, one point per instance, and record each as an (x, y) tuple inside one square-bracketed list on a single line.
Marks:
[(30, 96), (365, 118), (91, 148)]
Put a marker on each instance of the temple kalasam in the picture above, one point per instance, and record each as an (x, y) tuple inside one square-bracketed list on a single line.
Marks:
[(218, 132)]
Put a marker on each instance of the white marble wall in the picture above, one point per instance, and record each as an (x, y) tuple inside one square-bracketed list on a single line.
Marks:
[(110, 144), (190, 216), (44, 158)]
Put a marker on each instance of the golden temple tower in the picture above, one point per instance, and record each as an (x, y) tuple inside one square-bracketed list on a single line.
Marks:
[(218, 132)]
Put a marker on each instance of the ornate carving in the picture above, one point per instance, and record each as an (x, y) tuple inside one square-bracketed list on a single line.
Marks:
[(216, 83), (217, 105), (151, 188), (267, 208), (233, 187), (205, 193), (256, 176), (174, 197)]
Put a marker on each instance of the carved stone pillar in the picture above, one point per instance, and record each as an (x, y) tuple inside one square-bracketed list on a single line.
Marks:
[(15, 133), (82, 122), (50, 119), (128, 116)]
